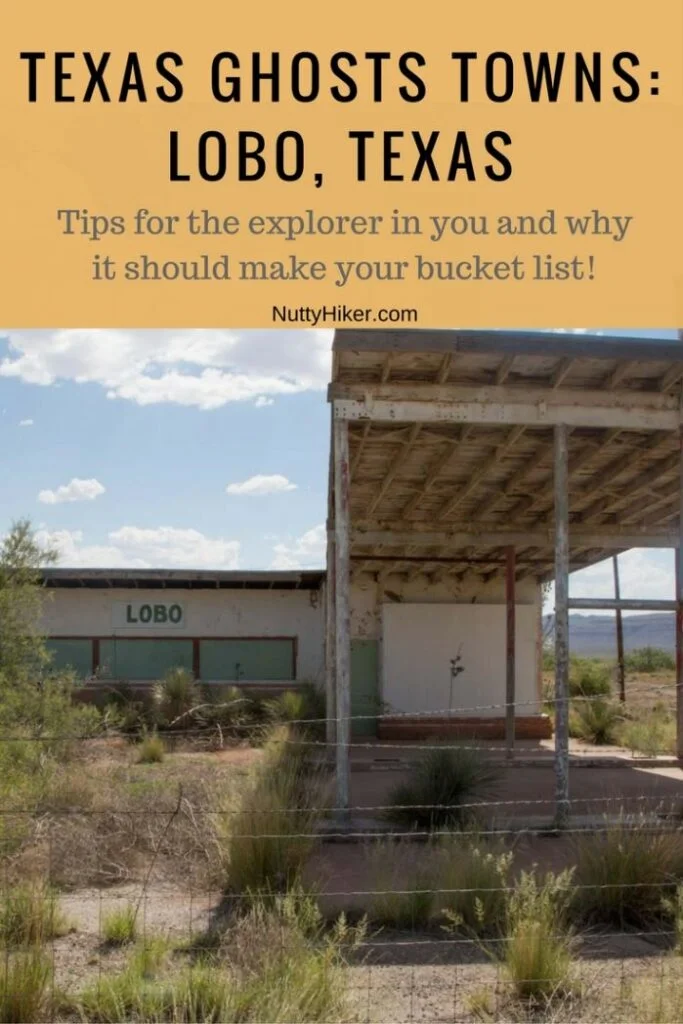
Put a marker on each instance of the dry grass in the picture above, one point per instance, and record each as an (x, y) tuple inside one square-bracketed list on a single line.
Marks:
[(151, 749), (268, 826), (537, 953), (25, 993), (624, 873), (120, 926), (275, 963), (30, 915)]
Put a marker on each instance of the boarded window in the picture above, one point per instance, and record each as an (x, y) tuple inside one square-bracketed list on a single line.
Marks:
[(143, 659), (258, 660), (71, 655)]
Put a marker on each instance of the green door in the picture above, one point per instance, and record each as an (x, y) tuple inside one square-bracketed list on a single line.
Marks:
[(364, 687)]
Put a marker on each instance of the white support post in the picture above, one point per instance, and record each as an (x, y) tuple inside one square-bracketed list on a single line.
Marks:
[(342, 610), (561, 627), (330, 655)]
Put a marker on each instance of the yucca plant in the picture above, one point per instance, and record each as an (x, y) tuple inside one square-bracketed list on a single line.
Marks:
[(442, 786), (174, 697), (595, 721), (304, 707)]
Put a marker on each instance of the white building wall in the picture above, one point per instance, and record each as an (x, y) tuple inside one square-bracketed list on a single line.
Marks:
[(207, 613), (420, 627)]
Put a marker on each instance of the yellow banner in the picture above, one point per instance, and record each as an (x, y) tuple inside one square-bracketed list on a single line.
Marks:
[(491, 164)]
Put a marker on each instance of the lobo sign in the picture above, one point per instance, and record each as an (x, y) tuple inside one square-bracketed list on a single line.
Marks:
[(148, 614)]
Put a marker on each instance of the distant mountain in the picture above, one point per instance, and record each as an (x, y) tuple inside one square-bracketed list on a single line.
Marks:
[(594, 635)]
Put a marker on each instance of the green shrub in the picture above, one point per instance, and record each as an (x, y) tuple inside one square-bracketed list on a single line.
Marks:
[(267, 833), (29, 915), (132, 710), (589, 677), (120, 926), (442, 785), (623, 872), (651, 734), (537, 953), (649, 659), (25, 988), (595, 721), (151, 749), (306, 704), (175, 696), (473, 877)]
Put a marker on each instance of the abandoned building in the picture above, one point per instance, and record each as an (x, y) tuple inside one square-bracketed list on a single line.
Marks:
[(467, 470)]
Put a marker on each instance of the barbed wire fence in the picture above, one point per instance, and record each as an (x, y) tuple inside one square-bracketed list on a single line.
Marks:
[(151, 847)]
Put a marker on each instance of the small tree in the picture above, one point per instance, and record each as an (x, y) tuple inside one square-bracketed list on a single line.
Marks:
[(23, 654), (32, 700)]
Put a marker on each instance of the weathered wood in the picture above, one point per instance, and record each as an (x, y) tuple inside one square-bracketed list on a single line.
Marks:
[(396, 463), (481, 473), (510, 653), (679, 615), (330, 654), (561, 627), (524, 413), (520, 343), (500, 397), (342, 611), (441, 463), (494, 534)]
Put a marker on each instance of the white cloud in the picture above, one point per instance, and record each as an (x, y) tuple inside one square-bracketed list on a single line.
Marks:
[(260, 485), (133, 547), (306, 552), (201, 368), (25, 423), (262, 401), (75, 490)]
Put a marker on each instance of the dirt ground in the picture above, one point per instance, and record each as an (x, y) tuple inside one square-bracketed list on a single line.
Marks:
[(396, 976)]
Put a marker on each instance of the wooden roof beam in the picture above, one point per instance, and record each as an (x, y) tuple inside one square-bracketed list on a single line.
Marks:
[(619, 373), (396, 463), (504, 369), (442, 462), (480, 474)]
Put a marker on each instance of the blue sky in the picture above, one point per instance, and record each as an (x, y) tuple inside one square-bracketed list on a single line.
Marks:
[(120, 445)]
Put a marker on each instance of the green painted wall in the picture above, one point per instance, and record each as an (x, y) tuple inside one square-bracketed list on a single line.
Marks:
[(247, 660), (143, 659), (364, 686), (75, 655)]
